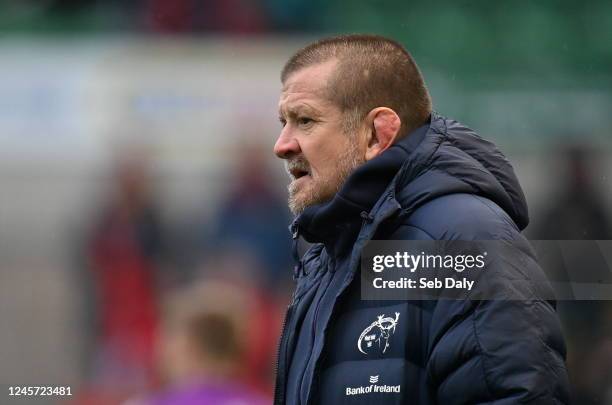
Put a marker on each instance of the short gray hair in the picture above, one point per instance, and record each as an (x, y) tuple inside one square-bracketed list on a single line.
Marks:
[(373, 71)]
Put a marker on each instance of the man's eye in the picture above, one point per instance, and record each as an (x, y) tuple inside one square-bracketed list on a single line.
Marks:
[(282, 121), (304, 121)]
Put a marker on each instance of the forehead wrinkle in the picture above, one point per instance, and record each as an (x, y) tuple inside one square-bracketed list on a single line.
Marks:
[(292, 107)]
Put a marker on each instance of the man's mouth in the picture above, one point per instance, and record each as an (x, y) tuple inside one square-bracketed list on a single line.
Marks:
[(299, 173)]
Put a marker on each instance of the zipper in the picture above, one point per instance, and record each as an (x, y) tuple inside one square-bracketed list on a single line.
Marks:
[(315, 372), (281, 355), (281, 372)]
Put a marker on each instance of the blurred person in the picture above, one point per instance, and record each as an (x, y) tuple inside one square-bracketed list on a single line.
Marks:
[(579, 211), (252, 220), (202, 346), (368, 159), (124, 253), (578, 201), (264, 311), (589, 338)]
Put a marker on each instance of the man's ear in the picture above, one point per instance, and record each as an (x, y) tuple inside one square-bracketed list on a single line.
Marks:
[(384, 125)]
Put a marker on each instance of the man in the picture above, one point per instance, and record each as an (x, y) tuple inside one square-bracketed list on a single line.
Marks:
[(370, 160)]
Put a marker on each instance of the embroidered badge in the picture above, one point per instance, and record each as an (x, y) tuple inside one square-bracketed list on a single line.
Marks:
[(376, 336)]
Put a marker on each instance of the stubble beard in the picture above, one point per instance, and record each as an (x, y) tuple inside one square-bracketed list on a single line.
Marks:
[(321, 189)]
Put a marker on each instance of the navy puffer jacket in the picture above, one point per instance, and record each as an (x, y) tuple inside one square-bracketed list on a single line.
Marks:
[(441, 182)]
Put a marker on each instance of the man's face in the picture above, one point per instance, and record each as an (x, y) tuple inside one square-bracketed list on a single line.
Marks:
[(318, 155)]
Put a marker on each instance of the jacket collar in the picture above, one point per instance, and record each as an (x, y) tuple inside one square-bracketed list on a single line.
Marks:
[(337, 222)]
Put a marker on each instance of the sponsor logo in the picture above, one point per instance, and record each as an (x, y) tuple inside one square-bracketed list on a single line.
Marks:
[(376, 336), (373, 387)]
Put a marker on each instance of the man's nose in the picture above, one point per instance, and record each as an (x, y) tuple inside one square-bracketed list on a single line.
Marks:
[(286, 146)]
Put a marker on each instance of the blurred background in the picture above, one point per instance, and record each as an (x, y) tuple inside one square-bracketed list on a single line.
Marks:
[(143, 224)]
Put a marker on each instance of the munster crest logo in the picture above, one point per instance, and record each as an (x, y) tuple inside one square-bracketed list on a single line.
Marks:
[(375, 338)]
